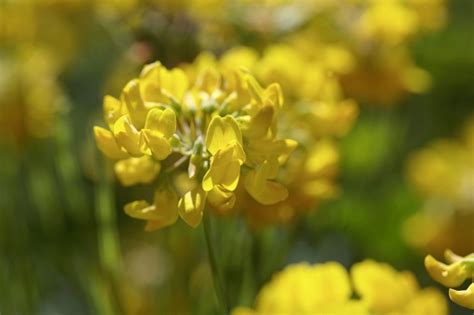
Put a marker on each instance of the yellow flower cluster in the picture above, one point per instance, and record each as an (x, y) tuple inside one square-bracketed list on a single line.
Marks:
[(443, 173), (194, 135), (364, 42), (458, 270), (28, 106), (380, 33), (326, 289), (37, 40), (316, 115), (367, 39)]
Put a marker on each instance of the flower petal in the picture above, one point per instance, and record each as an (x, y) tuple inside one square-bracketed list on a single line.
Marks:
[(107, 144), (221, 132)]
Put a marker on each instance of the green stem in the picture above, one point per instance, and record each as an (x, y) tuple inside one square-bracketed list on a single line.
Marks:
[(108, 239), (109, 248), (216, 274)]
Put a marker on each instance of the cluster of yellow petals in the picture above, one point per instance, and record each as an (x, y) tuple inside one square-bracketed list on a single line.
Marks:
[(454, 274), (392, 22), (367, 41), (194, 135), (28, 106), (316, 114), (443, 173), (327, 289)]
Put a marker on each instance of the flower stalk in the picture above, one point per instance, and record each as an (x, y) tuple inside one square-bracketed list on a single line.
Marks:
[(215, 270)]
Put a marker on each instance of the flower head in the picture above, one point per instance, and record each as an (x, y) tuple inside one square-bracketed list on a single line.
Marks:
[(194, 135)]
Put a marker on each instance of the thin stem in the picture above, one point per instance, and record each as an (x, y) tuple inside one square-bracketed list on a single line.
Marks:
[(216, 274), (108, 239)]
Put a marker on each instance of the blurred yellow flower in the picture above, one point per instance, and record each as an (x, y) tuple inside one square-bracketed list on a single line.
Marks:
[(327, 289), (443, 174), (132, 171), (29, 107), (388, 291)]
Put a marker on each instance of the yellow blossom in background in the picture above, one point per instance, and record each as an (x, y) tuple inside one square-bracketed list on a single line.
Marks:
[(29, 107), (327, 289), (195, 136), (388, 291), (307, 289), (443, 174), (389, 21), (454, 274), (366, 44)]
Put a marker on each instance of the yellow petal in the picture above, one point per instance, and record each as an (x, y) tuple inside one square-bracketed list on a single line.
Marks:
[(273, 96), (449, 275), (107, 144), (208, 80), (127, 136), (136, 107), (191, 206), (220, 199), (221, 132), (255, 89), (163, 212), (141, 209), (159, 145), (262, 189), (132, 171), (260, 123), (163, 121), (112, 110), (174, 83), (150, 82), (260, 150), (166, 204), (225, 168), (452, 257), (464, 298)]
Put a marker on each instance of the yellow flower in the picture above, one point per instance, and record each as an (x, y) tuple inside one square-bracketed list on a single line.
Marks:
[(191, 206), (224, 170), (221, 200), (221, 132), (201, 124), (306, 289), (317, 113), (326, 289), (127, 136), (443, 173), (382, 287), (260, 186), (132, 171), (161, 213), (108, 144), (454, 274), (159, 128), (390, 21), (29, 107)]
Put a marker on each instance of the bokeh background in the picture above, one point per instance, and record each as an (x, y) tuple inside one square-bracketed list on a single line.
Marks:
[(406, 166)]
